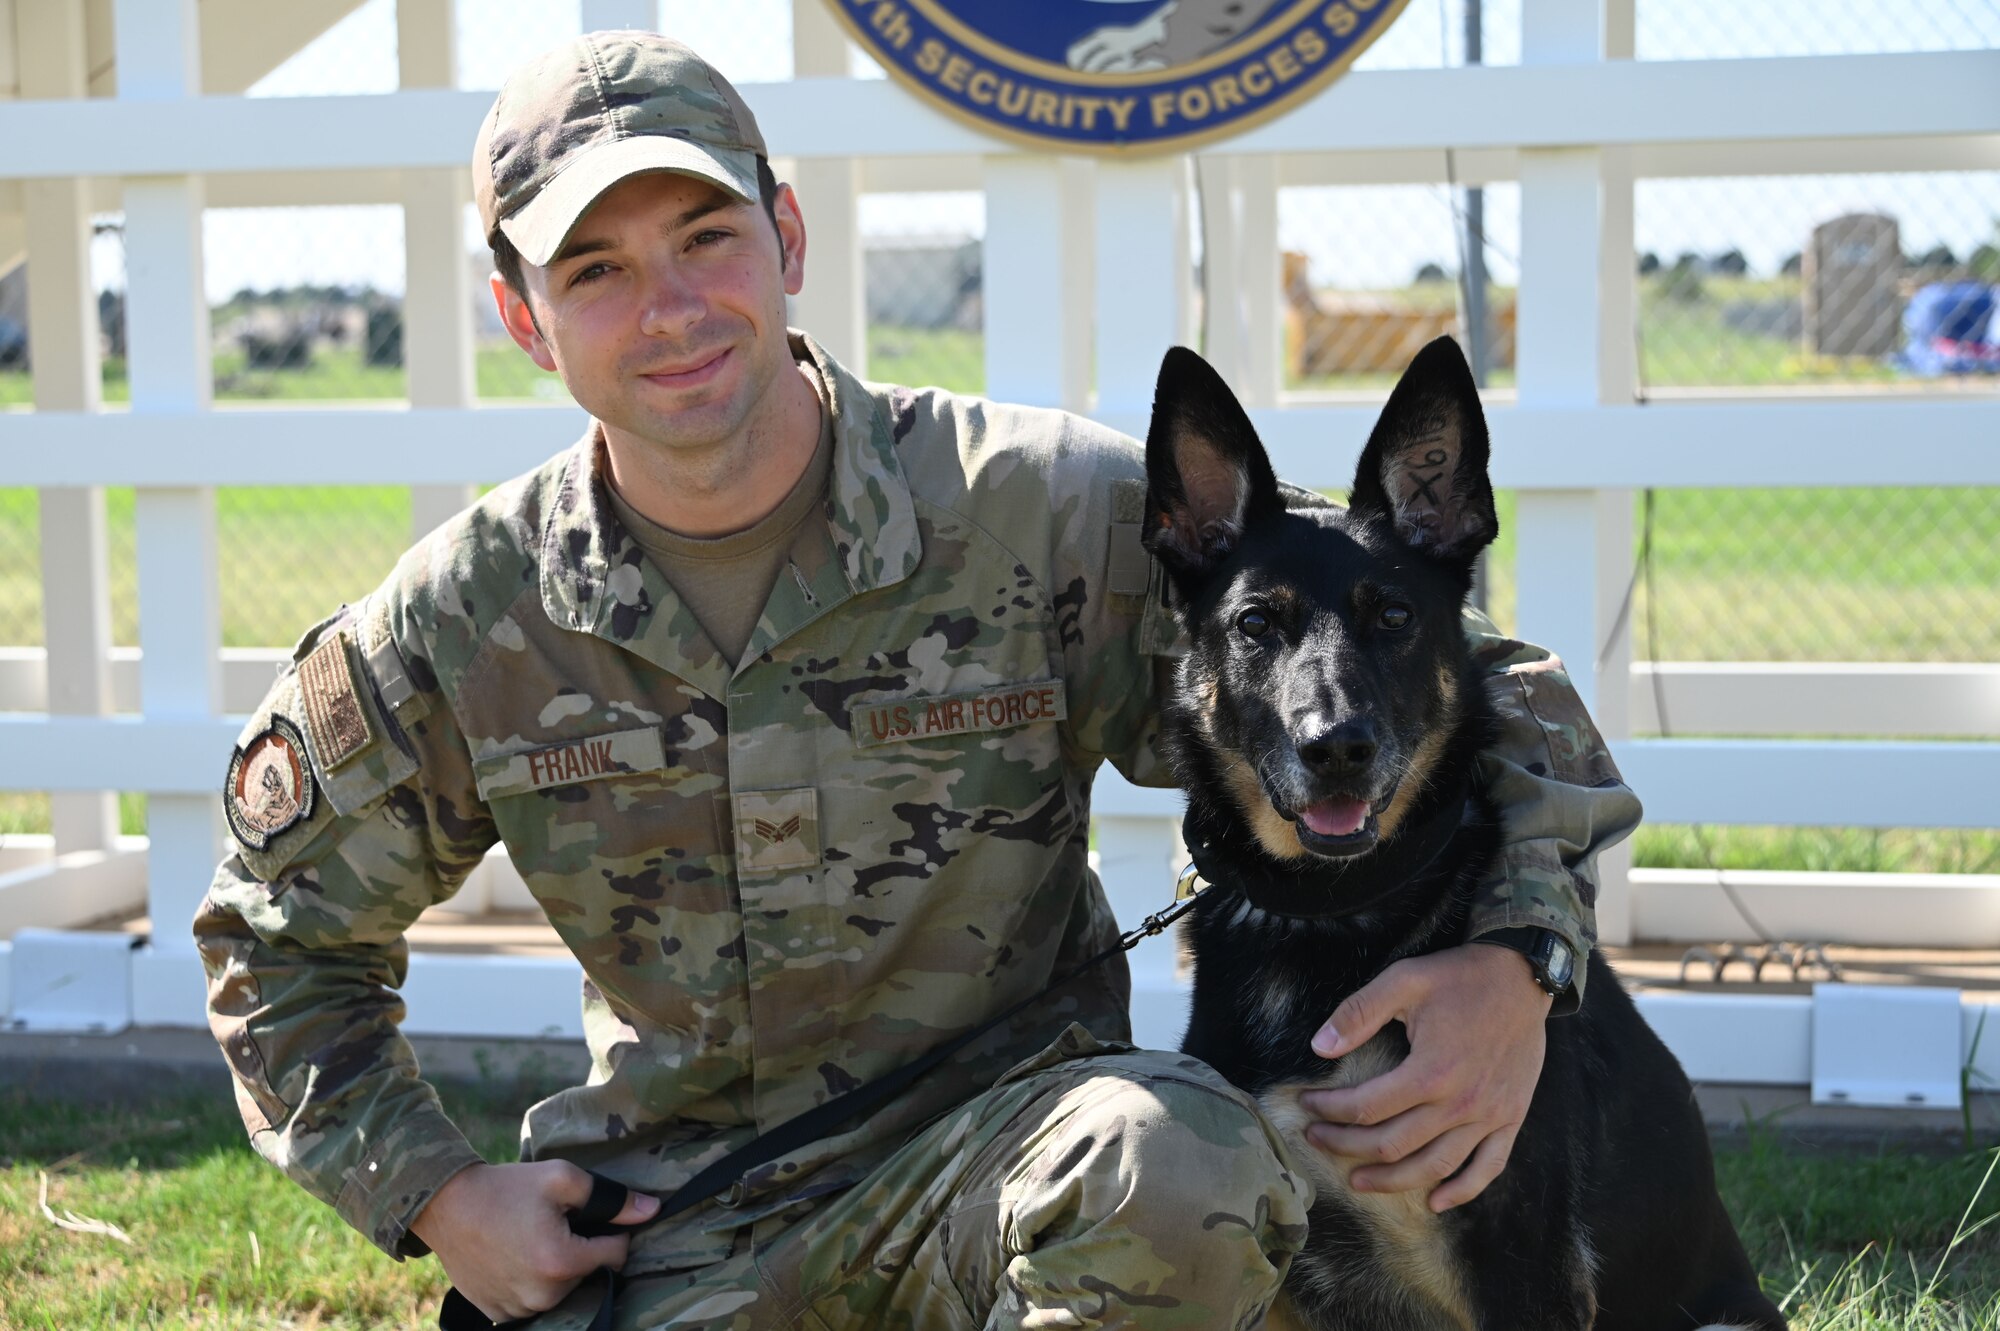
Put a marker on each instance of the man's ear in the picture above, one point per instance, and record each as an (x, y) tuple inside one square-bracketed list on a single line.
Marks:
[(791, 238), (520, 323), (1424, 469), (1207, 475)]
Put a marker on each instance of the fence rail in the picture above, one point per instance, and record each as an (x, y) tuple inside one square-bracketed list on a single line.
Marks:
[(1800, 98), (1084, 265)]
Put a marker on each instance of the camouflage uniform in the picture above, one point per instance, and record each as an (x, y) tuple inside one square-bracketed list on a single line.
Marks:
[(787, 879)]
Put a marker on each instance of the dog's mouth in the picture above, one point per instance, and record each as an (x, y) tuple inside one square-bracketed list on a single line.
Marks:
[(1339, 826)]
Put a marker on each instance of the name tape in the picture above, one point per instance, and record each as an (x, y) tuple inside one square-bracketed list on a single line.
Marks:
[(616, 754)]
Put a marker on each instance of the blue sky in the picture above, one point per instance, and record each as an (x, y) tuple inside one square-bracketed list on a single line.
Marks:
[(1356, 237)]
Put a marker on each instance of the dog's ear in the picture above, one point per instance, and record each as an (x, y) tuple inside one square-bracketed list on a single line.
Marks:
[(1425, 465), (1207, 475)]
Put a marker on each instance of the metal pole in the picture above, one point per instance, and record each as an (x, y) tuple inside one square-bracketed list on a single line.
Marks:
[(1474, 277), (1472, 280)]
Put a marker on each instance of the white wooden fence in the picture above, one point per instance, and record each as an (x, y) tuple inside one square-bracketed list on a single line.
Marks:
[(1083, 263)]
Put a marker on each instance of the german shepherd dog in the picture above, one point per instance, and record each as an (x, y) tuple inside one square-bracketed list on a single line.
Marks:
[(1325, 723)]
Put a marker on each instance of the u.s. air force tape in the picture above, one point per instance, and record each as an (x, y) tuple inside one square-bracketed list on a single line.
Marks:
[(919, 718)]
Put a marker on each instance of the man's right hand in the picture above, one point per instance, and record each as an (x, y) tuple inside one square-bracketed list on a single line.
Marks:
[(502, 1233)]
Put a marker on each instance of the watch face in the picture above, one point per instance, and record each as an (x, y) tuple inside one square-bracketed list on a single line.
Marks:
[(1561, 964)]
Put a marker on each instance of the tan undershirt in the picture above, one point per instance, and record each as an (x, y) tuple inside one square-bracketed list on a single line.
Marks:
[(725, 581)]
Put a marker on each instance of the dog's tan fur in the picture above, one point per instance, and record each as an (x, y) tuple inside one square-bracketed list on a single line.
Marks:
[(1274, 832), (1405, 1231), (1423, 764)]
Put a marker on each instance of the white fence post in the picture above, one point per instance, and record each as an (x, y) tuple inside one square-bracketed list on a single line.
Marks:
[(1136, 859), (1143, 299), (833, 307), (1242, 334), (1574, 350), (167, 343), (1617, 383), (437, 288), (1036, 262), (1143, 288), (62, 323)]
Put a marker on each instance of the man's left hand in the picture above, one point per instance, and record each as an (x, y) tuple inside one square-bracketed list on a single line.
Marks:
[(1475, 1018)]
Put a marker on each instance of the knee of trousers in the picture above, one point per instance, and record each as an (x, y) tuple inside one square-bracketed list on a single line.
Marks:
[(1184, 1155)]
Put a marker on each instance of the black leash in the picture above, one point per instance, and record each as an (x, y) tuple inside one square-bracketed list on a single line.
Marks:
[(607, 1196)]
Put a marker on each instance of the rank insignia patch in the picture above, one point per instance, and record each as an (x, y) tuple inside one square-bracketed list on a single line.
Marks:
[(777, 829), (270, 787), (1132, 76)]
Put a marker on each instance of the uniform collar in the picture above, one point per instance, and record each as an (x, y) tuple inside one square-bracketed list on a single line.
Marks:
[(870, 514), (595, 579)]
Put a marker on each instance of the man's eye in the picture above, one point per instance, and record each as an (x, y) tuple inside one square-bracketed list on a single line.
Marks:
[(589, 274), (708, 237)]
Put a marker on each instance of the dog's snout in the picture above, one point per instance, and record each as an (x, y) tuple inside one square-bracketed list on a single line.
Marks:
[(1339, 749)]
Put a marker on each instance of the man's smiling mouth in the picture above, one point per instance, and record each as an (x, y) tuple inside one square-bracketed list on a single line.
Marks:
[(690, 375)]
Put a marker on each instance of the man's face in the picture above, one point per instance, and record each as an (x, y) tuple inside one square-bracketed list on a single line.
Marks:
[(664, 311)]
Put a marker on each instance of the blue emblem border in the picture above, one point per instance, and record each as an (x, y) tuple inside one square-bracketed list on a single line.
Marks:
[(1157, 111)]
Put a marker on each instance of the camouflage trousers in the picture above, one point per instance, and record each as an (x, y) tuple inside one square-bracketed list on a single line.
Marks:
[(1126, 1190)]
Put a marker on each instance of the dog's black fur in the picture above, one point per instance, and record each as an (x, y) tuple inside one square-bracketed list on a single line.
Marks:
[(1328, 684)]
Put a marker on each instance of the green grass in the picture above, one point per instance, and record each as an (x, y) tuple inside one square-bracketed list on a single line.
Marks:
[(178, 1177), (928, 357), (1808, 575), (287, 557), (1817, 849), (1857, 1241), (1887, 1240)]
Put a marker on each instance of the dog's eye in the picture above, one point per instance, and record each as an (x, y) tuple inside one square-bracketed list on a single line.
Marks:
[(1253, 623), (1395, 616)]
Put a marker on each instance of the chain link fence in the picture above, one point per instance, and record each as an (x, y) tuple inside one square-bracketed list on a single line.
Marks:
[(1859, 283), (921, 274)]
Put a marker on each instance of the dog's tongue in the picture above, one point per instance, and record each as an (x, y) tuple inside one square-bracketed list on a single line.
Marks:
[(1335, 817)]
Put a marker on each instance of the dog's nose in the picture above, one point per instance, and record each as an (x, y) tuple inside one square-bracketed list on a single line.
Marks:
[(1347, 747)]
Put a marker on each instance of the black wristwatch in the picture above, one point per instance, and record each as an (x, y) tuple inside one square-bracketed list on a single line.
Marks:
[(1552, 960)]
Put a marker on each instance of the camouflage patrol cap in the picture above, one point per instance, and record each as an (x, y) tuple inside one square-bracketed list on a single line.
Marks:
[(575, 121)]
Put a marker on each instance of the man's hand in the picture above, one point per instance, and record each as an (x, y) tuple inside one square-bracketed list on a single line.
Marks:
[(502, 1233), (1474, 1016)]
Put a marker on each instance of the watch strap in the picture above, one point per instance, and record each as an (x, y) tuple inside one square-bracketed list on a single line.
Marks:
[(1544, 950)]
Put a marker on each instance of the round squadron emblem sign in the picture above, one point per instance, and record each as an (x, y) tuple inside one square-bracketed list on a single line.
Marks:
[(269, 788), (1115, 75)]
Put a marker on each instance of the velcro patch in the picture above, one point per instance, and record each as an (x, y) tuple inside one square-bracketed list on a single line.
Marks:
[(926, 718), (1129, 568), (270, 785), (386, 664), (335, 718), (619, 753), (777, 829)]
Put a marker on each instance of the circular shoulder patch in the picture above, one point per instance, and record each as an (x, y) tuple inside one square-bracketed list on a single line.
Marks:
[(1115, 75), (270, 787)]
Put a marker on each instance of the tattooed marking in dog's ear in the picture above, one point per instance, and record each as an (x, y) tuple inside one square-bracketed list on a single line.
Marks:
[(1425, 465)]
